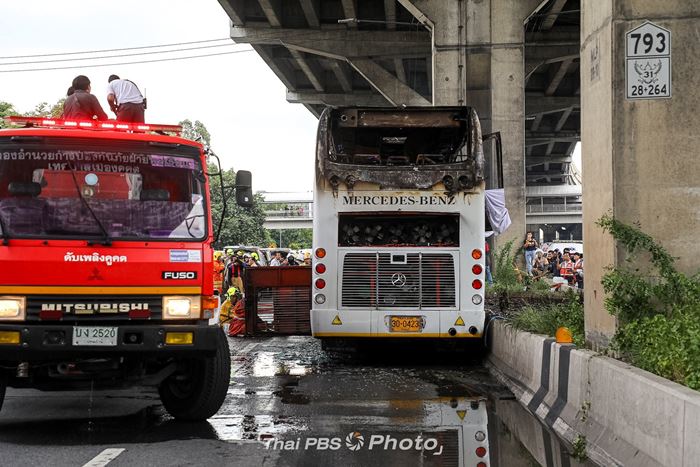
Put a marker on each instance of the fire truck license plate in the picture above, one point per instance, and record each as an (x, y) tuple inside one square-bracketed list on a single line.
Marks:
[(406, 324), (105, 336)]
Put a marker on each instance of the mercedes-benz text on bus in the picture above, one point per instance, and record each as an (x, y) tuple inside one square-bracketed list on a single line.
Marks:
[(106, 263), (399, 224)]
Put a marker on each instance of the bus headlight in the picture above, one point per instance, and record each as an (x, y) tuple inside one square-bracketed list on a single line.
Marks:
[(477, 299), (12, 308), (320, 299), (182, 307)]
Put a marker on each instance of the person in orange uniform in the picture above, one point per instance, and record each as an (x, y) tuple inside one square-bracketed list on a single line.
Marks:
[(233, 312), (218, 272)]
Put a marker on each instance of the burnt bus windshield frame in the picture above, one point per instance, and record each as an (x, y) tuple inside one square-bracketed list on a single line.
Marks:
[(39, 142), (459, 114)]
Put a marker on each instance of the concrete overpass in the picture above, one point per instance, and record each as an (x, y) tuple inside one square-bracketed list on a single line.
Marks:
[(288, 210), (538, 71), (417, 52)]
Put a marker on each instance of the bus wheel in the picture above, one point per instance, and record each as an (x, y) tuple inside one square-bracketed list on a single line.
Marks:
[(198, 388)]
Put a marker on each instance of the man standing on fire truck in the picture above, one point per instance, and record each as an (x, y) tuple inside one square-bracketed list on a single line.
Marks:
[(82, 105), (125, 100)]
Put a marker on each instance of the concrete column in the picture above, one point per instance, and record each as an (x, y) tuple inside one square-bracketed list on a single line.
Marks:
[(639, 156), (478, 61)]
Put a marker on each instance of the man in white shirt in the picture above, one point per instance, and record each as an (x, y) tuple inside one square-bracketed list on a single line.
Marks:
[(277, 260), (125, 100)]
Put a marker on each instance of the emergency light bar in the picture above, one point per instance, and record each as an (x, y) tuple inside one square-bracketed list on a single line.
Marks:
[(92, 124)]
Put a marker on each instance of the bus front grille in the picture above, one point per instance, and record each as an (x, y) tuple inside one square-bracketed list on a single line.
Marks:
[(398, 280)]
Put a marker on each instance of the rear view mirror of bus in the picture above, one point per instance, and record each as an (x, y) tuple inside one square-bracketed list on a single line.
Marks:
[(244, 188)]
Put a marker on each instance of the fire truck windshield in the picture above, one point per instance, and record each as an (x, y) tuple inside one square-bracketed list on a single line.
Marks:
[(135, 191)]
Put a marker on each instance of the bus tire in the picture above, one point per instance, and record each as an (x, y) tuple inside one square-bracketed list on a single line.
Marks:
[(197, 390)]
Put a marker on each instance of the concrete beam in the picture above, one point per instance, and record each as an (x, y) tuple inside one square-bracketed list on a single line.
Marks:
[(342, 74), (550, 135), (278, 67), (235, 9), (550, 148), (552, 14), (340, 43), (364, 98), (554, 218), (350, 11), (311, 12), (313, 73), (536, 122), (272, 11), (532, 161), (561, 34), (537, 104), (401, 70), (390, 14), (546, 176), (535, 57), (558, 77), (313, 110), (562, 120), (396, 92)]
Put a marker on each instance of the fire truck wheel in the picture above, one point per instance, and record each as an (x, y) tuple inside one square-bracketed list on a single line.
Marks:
[(197, 390)]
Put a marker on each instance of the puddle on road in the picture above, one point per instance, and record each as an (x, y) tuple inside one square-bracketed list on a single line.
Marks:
[(287, 396), (377, 403)]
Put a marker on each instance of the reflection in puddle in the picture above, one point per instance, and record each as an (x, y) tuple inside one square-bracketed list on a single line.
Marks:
[(267, 364), (255, 427)]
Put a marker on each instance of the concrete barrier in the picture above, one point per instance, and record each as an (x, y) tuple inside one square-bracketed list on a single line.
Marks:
[(628, 416)]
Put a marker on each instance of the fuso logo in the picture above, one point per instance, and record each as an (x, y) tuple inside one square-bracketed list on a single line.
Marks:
[(179, 275), (354, 441)]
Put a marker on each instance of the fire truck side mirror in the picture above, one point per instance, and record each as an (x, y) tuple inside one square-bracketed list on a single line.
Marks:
[(244, 188)]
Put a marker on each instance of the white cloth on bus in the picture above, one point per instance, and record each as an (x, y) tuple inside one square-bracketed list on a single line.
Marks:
[(497, 211), (124, 91)]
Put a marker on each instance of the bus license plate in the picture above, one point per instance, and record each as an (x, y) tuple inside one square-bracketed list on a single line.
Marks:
[(406, 324), (103, 336)]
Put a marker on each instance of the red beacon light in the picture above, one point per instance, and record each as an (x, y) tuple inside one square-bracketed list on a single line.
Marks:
[(92, 124)]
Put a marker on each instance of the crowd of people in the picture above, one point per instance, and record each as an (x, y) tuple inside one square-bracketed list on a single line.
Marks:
[(565, 266), (229, 274)]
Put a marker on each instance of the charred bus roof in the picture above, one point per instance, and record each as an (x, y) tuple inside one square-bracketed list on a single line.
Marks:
[(398, 148)]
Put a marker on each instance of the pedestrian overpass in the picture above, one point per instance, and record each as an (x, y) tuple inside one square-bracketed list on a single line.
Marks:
[(288, 210)]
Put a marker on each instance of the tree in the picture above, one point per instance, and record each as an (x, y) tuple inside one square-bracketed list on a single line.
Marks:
[(195, 131), (296, 239), (241, 226), (40, 110), (6, 109)]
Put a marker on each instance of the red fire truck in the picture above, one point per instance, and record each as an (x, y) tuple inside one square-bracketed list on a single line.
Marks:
[(106, 262)]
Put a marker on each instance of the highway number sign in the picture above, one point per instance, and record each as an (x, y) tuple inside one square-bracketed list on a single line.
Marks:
[(648, 62)]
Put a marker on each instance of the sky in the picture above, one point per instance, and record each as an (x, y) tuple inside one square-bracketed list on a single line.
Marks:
[(237, 97)]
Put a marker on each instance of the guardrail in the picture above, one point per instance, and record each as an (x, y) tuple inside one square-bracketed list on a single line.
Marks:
[(304, 214), (549, 208)]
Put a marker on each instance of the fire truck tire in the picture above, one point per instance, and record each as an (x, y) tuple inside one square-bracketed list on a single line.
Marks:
[(198, 391)]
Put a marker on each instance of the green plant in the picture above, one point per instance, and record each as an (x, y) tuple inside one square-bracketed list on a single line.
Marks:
[(504, 272), (658, 307), (546, 320), (579, 448)]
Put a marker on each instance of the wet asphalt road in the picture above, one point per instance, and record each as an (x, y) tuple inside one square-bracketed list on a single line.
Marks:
[(289, 403)]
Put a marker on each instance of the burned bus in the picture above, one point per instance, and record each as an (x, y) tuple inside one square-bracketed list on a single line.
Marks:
[(398, 224)]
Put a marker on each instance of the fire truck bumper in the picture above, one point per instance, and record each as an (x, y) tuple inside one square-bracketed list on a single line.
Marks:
[(25, 342)]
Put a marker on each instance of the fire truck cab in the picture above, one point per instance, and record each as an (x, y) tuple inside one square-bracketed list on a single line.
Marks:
[(106, 262)]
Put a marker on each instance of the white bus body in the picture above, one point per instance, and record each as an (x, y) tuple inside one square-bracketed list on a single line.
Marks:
[(398, 246)]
